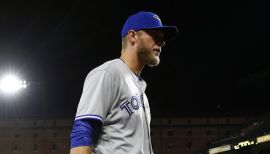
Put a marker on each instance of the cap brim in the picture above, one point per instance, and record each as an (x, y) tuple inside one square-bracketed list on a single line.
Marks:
[(169, 32)]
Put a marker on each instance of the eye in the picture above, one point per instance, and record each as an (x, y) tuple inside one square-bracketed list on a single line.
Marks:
[(157, 35), (158, 38)]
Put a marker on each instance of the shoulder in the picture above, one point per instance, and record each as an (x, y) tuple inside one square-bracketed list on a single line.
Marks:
[(112, 65), (112, 68)]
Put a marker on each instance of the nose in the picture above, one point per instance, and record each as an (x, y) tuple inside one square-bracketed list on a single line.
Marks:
[(161, 43)]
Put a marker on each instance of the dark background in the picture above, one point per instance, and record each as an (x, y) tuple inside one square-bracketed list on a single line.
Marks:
[(218, 64)]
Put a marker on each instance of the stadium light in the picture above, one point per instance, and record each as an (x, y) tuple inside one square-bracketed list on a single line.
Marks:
[(10, 84)]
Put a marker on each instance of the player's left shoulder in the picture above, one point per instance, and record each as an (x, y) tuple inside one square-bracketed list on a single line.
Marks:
[(114, 66)]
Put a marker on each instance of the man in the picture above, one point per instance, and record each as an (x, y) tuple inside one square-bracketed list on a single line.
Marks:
[(113, 115)]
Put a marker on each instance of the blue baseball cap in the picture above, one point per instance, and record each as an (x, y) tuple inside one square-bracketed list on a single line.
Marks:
[(148, 20)]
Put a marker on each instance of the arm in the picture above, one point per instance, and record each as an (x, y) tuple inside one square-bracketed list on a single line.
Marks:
[(88, 121), (84, 135), (81, 150)]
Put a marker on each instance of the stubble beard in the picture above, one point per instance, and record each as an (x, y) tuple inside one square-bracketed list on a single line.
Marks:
[(148, 56)]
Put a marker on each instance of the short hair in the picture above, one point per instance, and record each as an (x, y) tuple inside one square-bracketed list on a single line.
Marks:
[(125, 39), (124, 42)]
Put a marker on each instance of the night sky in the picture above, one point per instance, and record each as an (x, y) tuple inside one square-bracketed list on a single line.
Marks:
[(218, 63)]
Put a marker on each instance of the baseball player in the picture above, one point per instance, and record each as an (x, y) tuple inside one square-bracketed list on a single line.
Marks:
[(113, 115)]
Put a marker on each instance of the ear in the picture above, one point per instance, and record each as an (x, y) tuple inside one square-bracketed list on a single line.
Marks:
[(132, 36)]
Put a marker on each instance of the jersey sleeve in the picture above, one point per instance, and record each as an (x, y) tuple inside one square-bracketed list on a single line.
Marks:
[(85, 133), (97, 96)]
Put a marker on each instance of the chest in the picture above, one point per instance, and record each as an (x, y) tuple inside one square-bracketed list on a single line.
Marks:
[(133, 99), (131, 104)]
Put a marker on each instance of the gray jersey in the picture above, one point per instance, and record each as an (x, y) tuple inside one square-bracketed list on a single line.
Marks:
[(114, 95)]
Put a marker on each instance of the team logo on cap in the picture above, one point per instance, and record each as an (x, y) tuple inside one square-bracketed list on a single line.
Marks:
[(155, 16)]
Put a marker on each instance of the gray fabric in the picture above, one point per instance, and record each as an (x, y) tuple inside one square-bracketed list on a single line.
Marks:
[(113, 94)]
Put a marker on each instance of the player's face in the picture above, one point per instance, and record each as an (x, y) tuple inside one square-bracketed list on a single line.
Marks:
[(149, 46)]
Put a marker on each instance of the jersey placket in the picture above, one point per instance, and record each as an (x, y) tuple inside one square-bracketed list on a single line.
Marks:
[(142, 87)]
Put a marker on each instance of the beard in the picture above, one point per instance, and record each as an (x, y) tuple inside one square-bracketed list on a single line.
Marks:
[(147, 55)]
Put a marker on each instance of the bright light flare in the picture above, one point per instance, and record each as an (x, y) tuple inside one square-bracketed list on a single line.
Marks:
[(11, 84)]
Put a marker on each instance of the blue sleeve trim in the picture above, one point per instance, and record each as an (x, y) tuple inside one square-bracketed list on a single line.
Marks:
[(89, 116), (85, 133)]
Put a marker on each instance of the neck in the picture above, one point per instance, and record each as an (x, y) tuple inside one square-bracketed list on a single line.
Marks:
[(131, 59)]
